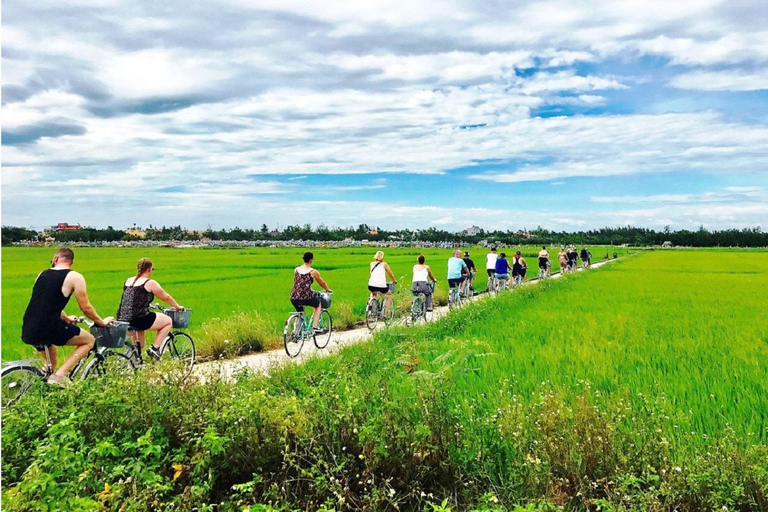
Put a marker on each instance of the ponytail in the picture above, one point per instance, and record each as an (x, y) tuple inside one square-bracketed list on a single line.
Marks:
[(143, 265)]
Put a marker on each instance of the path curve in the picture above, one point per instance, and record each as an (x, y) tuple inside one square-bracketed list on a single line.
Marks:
[(263, 362)]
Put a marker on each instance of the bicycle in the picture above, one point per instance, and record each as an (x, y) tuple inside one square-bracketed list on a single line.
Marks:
[(492, 286), (418, 312), (297, 329), (469, 290), (178, 344), (18, 377), (382, 307), (455, 298)]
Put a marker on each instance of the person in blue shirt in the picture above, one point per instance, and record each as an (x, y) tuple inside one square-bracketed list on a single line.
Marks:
[(457, 271), (503, 268)]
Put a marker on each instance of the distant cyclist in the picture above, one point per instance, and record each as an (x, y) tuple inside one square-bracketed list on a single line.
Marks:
[(503, 268), (573, 258), (544, 263), (490, 262), (302, 294), (138, 293), (471, 267), (423, 281), (586, 256), (562, 260), (519, 268), (377, 282), (457, 271), (45, 322)]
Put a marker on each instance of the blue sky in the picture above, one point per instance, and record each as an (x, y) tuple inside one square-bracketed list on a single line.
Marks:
[(561, 114)]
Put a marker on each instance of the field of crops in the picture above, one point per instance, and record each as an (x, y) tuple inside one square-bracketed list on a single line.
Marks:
[(639, 386), (224, 287)]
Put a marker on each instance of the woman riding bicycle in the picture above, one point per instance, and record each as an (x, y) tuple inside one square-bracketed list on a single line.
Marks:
[(302, 294), (423, 281), (377, 282), (138, 293), (519, 268)]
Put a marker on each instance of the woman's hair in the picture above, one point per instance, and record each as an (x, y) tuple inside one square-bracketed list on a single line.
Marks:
[(517, 253), (503, 255), (142, 266), (308, 256), (422, 259), (378, 256)]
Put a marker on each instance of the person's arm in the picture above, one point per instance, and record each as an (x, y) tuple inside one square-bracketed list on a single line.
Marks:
[(72, 319), (431, 275), (390, 273), (154, 287), (319, 280), (81, 295)]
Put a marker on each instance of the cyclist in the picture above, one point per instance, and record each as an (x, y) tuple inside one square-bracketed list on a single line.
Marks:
[(573, 258), (562, 259), (471, 267), (519, 267), (377, 282), (544, 260), (457, 272), (490, 262), (585, 256), (45, 322), (138, 293), (302, 294), (503, 268), (423, 281)]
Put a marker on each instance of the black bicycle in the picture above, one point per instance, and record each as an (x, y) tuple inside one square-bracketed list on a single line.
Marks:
[(178, 345)]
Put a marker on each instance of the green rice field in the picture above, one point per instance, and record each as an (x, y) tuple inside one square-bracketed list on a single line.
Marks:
[(639, 386), (223, 286)]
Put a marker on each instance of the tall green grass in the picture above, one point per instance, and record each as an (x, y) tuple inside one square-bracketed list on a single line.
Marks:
[(641, 386)]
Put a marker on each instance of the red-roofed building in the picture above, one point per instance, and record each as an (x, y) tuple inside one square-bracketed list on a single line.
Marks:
[(63, 226)]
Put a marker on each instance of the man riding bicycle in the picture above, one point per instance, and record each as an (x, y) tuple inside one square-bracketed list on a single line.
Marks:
[(471, 267), (490, 262), (457, 272), (47, 325), (544, 263)]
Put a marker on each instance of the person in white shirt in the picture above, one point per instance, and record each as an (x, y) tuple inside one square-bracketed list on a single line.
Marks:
[(377, 282), (423, 281), (490, 262)]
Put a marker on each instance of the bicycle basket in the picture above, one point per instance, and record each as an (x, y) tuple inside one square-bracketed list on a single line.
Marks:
[(391, 287), (325, 299), (180, 319), (111, 336)]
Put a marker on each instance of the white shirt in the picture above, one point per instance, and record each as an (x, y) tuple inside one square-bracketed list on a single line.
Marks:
[(490, 260), (378, 276), (420, 275)]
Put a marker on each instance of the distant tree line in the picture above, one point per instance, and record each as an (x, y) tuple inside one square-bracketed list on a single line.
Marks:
[(748, 237)]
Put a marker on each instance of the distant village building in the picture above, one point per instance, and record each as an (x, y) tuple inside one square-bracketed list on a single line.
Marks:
[(63, 226), (373, 232), (472, 231), (136, 233)]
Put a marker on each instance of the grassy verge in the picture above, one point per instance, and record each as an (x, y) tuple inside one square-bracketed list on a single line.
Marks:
[(638, 387)]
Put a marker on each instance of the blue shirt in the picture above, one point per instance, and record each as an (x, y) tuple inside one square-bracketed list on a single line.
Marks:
[(454, 267), (502, 266)]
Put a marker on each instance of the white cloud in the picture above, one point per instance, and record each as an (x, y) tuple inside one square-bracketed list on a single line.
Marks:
[(731, 80)]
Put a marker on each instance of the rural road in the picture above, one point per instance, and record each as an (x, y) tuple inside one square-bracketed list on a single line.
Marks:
[(263, 362)]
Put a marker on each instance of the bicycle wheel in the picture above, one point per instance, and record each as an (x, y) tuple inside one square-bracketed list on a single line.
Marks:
[(388, 311), (326, 324), (453, 298), (110, 362), (16, 381), (372, 313), (181, 347), (469, 292), (293, 335), (414, 313)]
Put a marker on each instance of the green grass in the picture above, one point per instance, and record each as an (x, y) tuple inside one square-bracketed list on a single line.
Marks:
[(639, 386), (218, 284)]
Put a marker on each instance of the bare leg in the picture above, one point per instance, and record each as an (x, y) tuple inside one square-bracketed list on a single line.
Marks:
[(162, 325), (316, 316), (52, 352), (84, 343)]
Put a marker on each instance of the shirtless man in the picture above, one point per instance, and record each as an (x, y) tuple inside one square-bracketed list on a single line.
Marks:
[(45, 322)]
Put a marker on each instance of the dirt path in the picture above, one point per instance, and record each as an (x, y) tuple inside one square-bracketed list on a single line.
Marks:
[(263, 362)]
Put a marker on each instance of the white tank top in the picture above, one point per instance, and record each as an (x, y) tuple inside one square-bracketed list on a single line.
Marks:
[(378, 276), (420, 275)]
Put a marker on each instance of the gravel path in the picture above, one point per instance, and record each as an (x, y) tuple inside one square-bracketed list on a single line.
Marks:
[(263, 362)]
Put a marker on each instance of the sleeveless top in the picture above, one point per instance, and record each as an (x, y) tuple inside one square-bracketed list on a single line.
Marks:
[(135, 302), (516, 266), (302, 286), (420, 275), (46, 304), (378, 275)]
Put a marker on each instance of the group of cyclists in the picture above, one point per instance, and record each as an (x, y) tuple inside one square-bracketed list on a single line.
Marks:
[(47, 326)]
